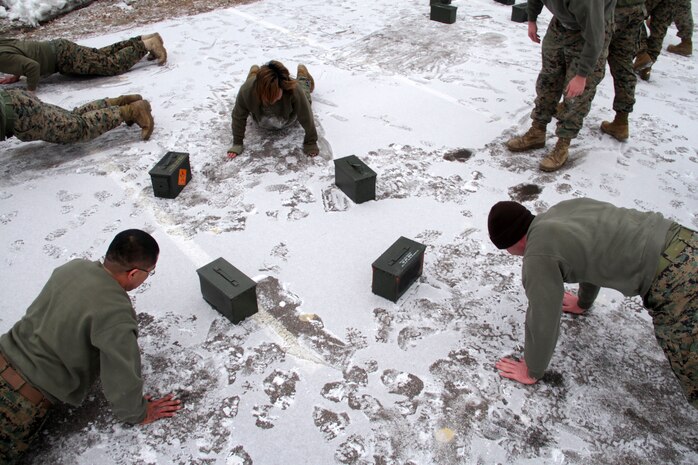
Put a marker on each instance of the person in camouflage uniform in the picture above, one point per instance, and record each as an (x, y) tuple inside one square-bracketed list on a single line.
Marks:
[(27, 118), (660, 14), (81, 327), (683, 18), (628, 18), (574, 52), (35, 59), (598, 244)]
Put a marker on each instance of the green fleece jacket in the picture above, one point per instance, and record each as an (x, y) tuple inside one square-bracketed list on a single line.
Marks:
[(587, 16), (293, 105), (27, 58), (592, 243), (80, 327)]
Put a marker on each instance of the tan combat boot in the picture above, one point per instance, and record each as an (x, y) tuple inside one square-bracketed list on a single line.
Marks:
[(685, 48), (642, 61), (302, 72), (533, 139), (154, 45), (644, 73), (618, 128), (557, 157), (122, 100), (254, 69), (139, 113)]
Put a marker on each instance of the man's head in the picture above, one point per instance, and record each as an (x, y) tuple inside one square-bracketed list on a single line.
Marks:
[(131, 257), (508, 223), (273, 79)]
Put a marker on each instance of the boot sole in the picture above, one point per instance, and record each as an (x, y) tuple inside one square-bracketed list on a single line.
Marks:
[(526, 149)]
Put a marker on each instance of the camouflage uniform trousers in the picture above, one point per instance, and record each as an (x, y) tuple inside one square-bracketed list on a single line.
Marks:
[(20, 422), (672, 301), (561, 50), (683, 18), (621, 52), (661, 13), (36, 120), (117, 58)]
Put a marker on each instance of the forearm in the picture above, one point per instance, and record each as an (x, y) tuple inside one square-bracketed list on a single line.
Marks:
[(587, 295)]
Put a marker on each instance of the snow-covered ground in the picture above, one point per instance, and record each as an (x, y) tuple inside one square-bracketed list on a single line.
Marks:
[(32, 12), (328, 372)]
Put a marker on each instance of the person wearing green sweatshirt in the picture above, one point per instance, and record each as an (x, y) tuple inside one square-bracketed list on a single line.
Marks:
[(36, 59), (574, 54), (275, 101), (597, 244), (81, 327)]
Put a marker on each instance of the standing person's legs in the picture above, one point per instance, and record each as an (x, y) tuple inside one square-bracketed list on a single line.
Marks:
[(72, 58), (683, 18), (661, 17), (551, 80), (672, 302), (36, 120)]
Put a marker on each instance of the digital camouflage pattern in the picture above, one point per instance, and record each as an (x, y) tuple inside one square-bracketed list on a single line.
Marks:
[(672, 301), (621, 52), (20, 421), (561, 50), (661, 13), (114, 59), (36, 120), (683, 17)]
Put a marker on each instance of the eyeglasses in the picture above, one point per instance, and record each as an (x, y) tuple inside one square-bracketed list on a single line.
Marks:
[(150, 273)]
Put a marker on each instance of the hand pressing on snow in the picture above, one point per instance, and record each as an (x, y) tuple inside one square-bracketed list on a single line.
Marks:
[(514, 369), (570, 304), (161, 408), (9, 79)]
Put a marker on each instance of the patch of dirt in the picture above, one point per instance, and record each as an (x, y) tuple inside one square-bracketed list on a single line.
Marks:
[(108, 16)]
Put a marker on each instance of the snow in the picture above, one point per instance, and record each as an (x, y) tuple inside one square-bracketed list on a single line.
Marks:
[(32, 12), (328, 372)]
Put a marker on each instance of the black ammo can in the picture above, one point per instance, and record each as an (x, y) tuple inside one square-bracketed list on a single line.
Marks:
[(443, 13), (398, 267), (355, 179), (505, 2), (228, 290), (171, 174), (519, 13)]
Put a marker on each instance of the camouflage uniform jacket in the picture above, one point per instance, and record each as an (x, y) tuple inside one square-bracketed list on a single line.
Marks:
[(80, 327), (591, 243), (588, 16), (27, 58), (294, 104), (7, 116)]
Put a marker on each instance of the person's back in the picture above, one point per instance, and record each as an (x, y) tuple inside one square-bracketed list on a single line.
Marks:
[(27, 58)]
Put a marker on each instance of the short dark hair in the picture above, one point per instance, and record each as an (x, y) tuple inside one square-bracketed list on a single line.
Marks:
[(133, 248)]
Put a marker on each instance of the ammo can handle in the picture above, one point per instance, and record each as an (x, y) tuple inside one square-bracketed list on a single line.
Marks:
[(395, 260), (225, 275), (170, 158), (357, 167)]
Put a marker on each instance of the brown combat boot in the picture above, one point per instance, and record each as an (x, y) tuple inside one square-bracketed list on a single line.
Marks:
[(618, 128), (122, 100), (302, 72), (685, 48), (642, 61), (557, 157), (644, 73), (533, 139), (154, 45), (139, 113)]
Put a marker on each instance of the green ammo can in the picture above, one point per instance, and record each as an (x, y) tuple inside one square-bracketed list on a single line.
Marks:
[(398, 267), (505, 2), (443, 13), (355, 179), (171, 174), (228, 290), (519, 13)]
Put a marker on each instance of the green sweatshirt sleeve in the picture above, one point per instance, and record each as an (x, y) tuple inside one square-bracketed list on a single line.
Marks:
[(304, 112), (19, 65), (120, 372), (533, 8), (587, 295), (240, 113), (543, 282), (591, 19)]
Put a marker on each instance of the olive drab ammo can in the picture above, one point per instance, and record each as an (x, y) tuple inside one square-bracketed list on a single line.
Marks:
[(443, 13), (355, 179), (519, 13), (398, 267), (505, 2), (228, 290), (171, 174)]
